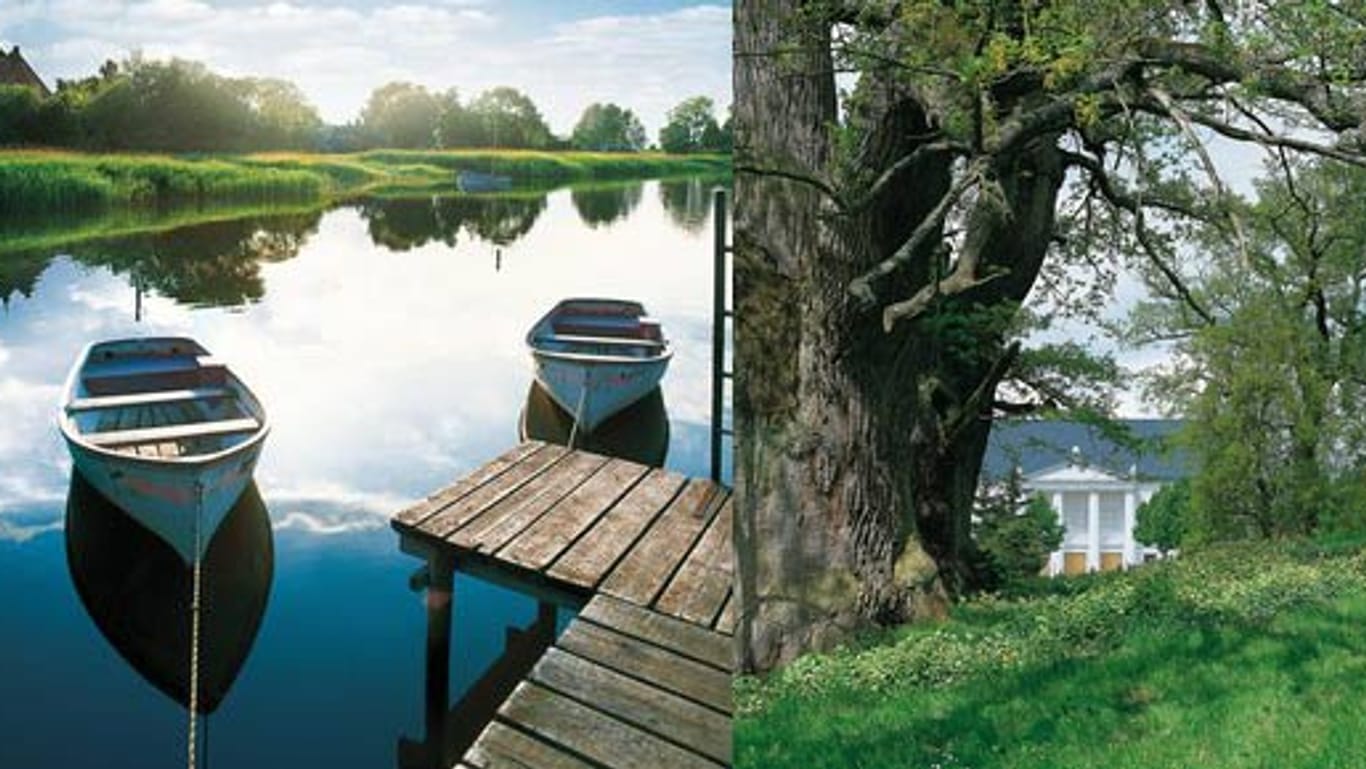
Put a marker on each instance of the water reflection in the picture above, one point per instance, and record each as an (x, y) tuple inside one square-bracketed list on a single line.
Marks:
[(639, 432), (687, 201), (402, 224), (208, 264), (138, 590), (600, 206)]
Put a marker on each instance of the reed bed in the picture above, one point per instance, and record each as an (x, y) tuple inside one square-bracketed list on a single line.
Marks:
[(52, 180)]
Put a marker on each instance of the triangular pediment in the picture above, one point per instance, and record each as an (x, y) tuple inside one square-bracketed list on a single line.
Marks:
[(1070, 473)]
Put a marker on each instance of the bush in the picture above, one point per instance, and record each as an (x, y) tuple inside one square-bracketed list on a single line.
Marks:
[(1014, 533), (1162, 520)]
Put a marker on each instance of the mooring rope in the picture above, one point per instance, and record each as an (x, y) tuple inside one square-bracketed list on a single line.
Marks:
[(194, 627), (578, 412)]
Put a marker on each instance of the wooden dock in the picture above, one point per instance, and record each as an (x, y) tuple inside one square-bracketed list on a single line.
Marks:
[(641, 677)]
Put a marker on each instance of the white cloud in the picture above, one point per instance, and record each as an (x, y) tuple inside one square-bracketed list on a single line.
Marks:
[(21, 533), (339, 55), (313, 524)]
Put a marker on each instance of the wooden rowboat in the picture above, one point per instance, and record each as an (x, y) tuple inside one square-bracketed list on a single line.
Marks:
[(164, 431), (595, 357)]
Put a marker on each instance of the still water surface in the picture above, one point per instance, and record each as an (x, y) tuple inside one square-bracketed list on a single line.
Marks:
[(385, 338)]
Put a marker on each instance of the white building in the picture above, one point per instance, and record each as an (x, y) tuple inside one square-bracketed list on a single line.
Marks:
[(1094, 483)]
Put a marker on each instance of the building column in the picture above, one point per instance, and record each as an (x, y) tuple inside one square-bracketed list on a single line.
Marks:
[(1057, 562), (1131, 556), (1093, 532)]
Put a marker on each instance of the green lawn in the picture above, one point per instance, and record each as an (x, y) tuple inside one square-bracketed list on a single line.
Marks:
[(1240, 662)]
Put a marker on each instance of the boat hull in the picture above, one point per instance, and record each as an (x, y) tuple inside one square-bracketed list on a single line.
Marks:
[(139, 592), (611, 385), (162, 496)]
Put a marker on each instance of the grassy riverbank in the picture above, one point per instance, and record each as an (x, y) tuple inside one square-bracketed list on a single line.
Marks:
[(1238, 657), (41, 180)]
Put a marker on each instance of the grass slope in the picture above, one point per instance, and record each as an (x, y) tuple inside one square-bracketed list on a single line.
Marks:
[(1242, 657)]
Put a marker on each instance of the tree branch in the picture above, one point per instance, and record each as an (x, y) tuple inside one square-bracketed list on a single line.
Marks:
[(1135, 207), (780, 173), (973, 404), (1277, 140), (894, 171), (1278, 82), (863, 288), (1183, 120)]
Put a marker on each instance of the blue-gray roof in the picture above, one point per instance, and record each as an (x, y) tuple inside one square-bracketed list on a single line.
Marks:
[(1034, 445)]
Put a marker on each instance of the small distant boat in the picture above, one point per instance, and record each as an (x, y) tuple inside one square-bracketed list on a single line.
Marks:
[(165, 432), (595, 357), (478, 181)]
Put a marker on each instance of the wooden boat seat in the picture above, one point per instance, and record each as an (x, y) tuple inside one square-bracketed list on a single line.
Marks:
[(120, 377), (623, 328), (174, 432), (154, 398), (609, 341)]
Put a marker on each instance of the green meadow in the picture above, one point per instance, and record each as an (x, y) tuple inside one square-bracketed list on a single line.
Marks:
[(1248, 656)]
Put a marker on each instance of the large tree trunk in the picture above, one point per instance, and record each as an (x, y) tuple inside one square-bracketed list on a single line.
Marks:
[(858, 449)]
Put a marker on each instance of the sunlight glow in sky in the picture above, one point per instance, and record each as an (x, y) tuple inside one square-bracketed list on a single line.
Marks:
[(646, 55)]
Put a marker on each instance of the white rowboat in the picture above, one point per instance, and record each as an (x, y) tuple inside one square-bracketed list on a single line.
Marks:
[(595, 357), (165, 432)]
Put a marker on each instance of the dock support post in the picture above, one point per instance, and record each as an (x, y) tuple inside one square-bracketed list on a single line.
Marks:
[(440, 596)]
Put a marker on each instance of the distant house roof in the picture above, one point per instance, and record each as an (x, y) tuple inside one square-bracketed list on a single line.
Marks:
[(14, 70), (1034, 446)]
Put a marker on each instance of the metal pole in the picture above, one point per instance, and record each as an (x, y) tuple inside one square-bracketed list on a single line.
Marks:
[(718, 329)]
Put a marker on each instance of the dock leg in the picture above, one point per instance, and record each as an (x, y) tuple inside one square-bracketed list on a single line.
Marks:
[(440, 596)]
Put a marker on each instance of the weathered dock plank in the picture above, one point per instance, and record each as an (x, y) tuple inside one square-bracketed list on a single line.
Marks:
[(649, 707), (419, 512), (699, 589), (676, 635), (641, 575), (726, 622), (681, 675), (456, 514), (502, 747), (498, 523), (588, 561), (594, 734), (544, 541)]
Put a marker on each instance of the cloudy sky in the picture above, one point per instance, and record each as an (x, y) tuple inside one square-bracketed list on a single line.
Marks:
[(646, 55)]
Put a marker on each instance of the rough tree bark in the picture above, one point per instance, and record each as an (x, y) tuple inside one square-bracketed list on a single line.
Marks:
[(858, 447)]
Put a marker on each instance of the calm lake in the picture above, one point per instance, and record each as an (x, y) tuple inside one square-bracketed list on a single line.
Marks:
[(385, 338)]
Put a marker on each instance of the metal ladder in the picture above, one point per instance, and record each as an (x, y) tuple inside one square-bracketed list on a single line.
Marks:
[(722, 313)]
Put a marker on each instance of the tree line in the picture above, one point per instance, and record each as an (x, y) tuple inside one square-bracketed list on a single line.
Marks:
[(182, 106)]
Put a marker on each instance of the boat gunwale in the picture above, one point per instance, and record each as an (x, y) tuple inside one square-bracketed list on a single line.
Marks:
[(66, 424), (662, 355)]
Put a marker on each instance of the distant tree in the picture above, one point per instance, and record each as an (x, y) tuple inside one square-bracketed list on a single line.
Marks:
[(1014, 532), (608, 127), (691, 127), (401, 115), (457, 126), (1162, 520), (284, 117), (20, 107), (508, 118), (1270, 364)]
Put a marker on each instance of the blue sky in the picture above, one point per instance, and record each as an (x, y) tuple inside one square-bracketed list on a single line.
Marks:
[(646, 55)]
